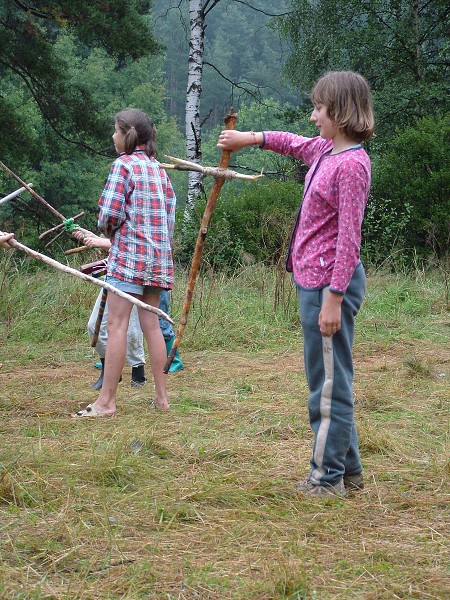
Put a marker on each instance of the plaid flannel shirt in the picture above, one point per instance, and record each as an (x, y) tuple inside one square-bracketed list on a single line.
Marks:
[(137, 213)]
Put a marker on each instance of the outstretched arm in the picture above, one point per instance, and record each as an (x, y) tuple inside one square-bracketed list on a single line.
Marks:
[(231, 139)]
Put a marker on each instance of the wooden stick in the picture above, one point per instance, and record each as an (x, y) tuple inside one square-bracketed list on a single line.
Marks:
[(186, 165), (55, 238), (96, 268), (14, 194), (39, 198), (77, 249), (57, 265), (230, 123), (33, 193), (58, 227)]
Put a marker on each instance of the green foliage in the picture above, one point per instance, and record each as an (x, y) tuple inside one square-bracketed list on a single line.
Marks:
[(269, 115), (384, 231), (66, 175), (401, 48), (410, 204), (64, 76), (251, 223), (33, 62), (71, 301)]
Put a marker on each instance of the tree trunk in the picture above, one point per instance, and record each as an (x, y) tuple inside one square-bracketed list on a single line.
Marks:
[(193, 94)]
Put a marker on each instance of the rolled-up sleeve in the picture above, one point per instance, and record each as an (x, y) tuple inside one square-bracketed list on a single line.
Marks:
[(112, 201), (171, 202)]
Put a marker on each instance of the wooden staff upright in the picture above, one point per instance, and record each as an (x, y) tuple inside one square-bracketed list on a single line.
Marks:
[(230, 123)]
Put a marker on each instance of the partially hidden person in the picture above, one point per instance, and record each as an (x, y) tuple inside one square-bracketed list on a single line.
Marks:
[(135, 354)]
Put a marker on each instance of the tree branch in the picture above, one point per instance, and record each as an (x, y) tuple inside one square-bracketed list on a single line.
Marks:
[(28, 79), (233, 83), (206, 10), (263, 11), (33, 11)]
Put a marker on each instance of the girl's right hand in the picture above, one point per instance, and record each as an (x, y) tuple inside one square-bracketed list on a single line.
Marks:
[(234, 140)]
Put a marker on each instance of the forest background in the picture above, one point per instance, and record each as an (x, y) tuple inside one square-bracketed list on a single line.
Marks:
[(67, 67)]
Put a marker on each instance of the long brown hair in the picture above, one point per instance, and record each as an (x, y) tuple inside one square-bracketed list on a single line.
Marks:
[(138, 129), (347, 96)]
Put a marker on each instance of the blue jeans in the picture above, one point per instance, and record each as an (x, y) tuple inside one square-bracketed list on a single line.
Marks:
[(329, 373), (166, 327)]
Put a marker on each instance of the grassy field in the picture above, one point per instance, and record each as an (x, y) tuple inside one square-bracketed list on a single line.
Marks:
[(197, 503)]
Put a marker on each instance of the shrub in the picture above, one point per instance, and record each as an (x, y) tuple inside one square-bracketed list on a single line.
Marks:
[(385, 231), (411, 191), (251, 223)]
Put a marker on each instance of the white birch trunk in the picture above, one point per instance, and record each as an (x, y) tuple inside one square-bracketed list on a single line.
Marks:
[(193, 94)]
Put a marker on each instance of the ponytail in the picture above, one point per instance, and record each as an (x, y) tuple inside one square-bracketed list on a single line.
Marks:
[(138, 130), (131, 140)]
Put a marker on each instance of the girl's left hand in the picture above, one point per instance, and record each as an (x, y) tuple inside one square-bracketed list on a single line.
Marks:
[(330, 315)]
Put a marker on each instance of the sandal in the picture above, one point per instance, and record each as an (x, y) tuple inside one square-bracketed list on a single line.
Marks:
[(161, 407), (90, 412)]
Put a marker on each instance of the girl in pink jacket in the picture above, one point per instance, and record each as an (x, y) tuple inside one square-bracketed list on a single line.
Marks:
[(324, 257)]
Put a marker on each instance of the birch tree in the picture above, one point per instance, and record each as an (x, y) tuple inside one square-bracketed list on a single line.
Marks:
[(198, 12), (193, 95)]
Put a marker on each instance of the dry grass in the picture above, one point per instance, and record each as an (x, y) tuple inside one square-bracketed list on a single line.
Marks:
[(197, 503)]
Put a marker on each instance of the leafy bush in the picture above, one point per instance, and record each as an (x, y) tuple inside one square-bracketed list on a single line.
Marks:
[(385, 231), (251, 223), (410, 204)]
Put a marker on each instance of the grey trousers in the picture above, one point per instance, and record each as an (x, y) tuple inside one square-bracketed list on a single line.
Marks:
[(329, 373)]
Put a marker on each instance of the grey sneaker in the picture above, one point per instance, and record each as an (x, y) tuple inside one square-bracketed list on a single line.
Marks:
[(138, 384), (307, 488), (354, 483)]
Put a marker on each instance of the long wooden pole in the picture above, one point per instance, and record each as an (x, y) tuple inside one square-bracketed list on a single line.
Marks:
[(42, 201), (57, 265), (14, 194), (33, 193), (230, 123)]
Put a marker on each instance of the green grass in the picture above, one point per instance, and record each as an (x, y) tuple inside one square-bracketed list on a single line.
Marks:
[(197, 503)]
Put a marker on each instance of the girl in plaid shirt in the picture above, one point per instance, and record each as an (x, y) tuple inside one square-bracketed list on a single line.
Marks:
[(137, 214)]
